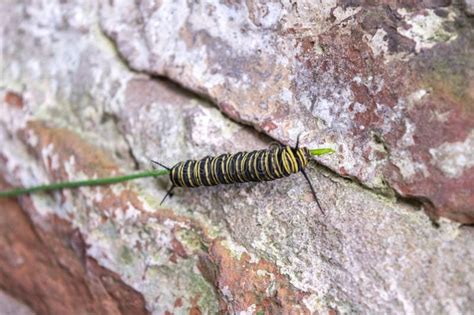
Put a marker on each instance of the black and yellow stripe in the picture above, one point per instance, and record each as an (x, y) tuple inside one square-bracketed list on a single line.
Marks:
[(255, 166)]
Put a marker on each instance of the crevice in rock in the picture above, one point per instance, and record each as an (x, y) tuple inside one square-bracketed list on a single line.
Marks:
[(116, 121), (415, 202)]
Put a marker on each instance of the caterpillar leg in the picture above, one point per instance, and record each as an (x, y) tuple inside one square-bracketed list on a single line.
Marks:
[(168, 193), (298, 141), (312, 190)]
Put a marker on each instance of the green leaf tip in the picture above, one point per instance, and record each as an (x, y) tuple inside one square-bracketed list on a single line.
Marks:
[(321, 151)]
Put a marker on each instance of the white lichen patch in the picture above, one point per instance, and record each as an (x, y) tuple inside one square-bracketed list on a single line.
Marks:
[(407, 139), (13, 119), (200, 68), (332, 105), (416, 96), (50, 158), (99, 245), (312, 18), (20, 169), (338, 117), (130, 213), (141, 255), (227, 293), (238, 250), (351, 151), (314, 304), (97, 195), (70, 167), (455, 157), (208, 126), (227, 23), (272, 15), (161, 26), (32, 138), (286, 96), (426, 28), (409, 167), (342, 14), (249, 311), (378, 43), (449, 230)]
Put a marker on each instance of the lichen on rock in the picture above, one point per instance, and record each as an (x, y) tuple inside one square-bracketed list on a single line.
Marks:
[(112, 85)]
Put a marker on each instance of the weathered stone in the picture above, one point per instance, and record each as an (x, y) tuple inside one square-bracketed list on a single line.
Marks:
[(385, 85), (47, 268), (11, 306), (469, 6), (172, 260), (73, 110)]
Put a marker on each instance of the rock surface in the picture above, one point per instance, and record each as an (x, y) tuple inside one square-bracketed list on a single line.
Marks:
[(390, 88), (10, 306)]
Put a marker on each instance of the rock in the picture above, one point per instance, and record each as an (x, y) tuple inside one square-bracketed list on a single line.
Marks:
[(48, 268), (89, 104), (386, 86), (11, 306), (469, 6)]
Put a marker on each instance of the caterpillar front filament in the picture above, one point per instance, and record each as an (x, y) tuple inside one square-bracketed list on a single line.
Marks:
[(255, 166)]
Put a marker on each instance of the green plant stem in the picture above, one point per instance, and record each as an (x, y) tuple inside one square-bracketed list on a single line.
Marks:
[(81, 183)]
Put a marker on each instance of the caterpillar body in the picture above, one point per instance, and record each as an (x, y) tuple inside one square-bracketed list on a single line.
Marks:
[(255, 166)]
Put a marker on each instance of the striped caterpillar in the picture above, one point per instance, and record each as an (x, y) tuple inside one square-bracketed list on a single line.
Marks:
[(255, 166)]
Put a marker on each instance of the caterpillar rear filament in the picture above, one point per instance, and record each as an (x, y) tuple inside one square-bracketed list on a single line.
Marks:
[(255, 166)]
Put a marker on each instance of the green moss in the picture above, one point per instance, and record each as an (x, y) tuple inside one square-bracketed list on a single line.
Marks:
[(186, 274), (449, 77), (150, 199), (191, 239), (126, 255), (108, 228), (442, 36), (207, 296)]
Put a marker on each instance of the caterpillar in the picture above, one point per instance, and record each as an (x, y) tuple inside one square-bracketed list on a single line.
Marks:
[(255, 166)]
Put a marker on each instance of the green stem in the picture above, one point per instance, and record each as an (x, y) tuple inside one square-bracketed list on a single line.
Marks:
[(81, 183), (321, 151)]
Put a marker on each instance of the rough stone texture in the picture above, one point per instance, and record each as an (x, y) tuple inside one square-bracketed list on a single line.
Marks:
[(469, 7), (390, 87), (72, 108), (48, 268), (11, 306)]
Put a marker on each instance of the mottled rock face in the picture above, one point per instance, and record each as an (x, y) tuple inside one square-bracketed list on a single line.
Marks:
[(51, 263), (90, 90), (388, 86)]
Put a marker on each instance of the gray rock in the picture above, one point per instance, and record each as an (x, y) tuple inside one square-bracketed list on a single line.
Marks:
[(214, 247)]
